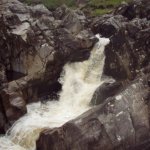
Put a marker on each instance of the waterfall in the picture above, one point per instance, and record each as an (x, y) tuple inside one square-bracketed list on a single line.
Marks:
[(79, 81)]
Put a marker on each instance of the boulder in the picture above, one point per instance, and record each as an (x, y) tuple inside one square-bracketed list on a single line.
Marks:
[(128, 51), (136, 8), (2, 119), (35, 43), (38, 42), (107, 25), (129, 48), (13, 102), (107, 89), (2, 76), (121, 122), (36, 32)]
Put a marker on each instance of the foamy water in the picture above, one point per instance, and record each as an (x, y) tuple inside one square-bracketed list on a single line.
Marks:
[(79, 81)]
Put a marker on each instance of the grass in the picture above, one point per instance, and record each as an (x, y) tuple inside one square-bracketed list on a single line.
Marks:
[(96, 7), (52, 4), (98, 12), (100, 7), (105, 3)]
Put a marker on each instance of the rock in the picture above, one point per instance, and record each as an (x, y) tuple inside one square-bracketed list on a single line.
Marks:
[(71, 43), (36, 30), (121, 122), (2, 119), (128, 51), (2, 114), (2, 75), (107, 25), (136, 8), (36, 39), (126, 54), (60, 12), (107, 89), (40, 10), (13, 103), (35, 43), (74, 21)]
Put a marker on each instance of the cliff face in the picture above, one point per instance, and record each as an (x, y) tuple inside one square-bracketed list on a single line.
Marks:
[(34, 45), (121, 122), (129, 48), (121, 119)]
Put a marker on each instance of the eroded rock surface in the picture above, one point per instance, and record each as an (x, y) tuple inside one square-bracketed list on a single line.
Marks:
[(136, 8), (107, 89), (129, 48), (121, 122), (35, 43)]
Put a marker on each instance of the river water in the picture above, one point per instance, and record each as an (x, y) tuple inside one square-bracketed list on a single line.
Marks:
[(79, 81)]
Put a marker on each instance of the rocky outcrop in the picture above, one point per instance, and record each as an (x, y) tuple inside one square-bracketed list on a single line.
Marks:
[(35, 43), (12, 101), (121, 119), (2, 119), (129, 48), (34, 36), (135, 9), (107, 89), (121, 122)]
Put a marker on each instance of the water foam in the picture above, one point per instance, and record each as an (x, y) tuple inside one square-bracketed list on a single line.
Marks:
[(79, 82)]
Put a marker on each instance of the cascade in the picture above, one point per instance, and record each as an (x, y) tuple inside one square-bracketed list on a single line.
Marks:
[(79, 81)]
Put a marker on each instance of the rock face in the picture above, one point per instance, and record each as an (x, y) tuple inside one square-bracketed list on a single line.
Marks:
[(121, 122), (121, 119), (129, 48), (107, 89), (13, 103), (36, 37), (139, 9), (35, 43)]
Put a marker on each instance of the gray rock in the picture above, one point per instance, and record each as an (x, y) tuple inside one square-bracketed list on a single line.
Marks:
[(136, 8), (107, 89), (36, 43), (128, 51), (121, 122)]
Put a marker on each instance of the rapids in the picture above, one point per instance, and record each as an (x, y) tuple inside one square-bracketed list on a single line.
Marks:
[(79, 81)]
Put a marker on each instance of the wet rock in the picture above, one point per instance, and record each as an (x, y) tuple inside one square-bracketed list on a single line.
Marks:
[(2, 119), (2, 114), (108, 24), (34, 46), (2, 75), (40, 10), (74, 21), (128, 51), (107, 89), (13, 103), (121, 122), (60, 12), (136, 8), (38, 41), (37, 36)]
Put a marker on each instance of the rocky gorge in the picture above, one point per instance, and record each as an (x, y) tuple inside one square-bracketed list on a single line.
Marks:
[(35, 44)]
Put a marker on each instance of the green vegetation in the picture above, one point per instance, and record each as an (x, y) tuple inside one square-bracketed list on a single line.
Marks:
[(100, 7), (96, 7), (98, 12), (105, 3), (52, 4)]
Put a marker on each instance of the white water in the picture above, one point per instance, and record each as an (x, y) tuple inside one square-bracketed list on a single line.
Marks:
[(79, 82)]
